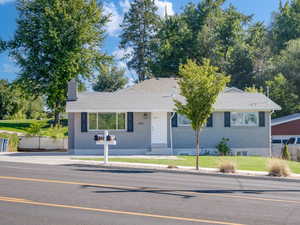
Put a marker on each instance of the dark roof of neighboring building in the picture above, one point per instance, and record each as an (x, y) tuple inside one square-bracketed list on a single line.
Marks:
[(286, 119)]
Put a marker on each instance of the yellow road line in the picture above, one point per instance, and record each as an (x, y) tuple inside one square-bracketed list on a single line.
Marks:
[(25, 201), (147, 189)]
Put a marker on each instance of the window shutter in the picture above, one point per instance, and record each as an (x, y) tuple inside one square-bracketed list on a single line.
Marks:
[(226, 119), (262, 119), (174, 120), (129, 121), (210, 121), (84, 122)]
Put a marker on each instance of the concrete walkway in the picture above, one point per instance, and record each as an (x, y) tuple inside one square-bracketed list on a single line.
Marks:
[(63, 158)]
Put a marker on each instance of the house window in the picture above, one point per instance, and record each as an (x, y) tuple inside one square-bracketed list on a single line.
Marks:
[(107, 121), (276, 141), (182, 121), (248, 119)]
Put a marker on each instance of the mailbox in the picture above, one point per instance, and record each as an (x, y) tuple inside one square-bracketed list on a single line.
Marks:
[(109, 139)]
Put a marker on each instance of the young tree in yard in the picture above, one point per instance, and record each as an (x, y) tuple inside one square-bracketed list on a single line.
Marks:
[(110, 78), (200, 86), (139, 28), (56, 41)]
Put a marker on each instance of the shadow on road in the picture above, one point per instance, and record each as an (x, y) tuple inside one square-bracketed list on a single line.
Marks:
[(95, 168)]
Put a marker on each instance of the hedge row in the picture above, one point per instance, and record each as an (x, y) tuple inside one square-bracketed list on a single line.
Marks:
[(13, 141)]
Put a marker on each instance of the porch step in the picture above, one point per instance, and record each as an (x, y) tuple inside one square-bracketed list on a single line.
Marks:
[(160, 151)]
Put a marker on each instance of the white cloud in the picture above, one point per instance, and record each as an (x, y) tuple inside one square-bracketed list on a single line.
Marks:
[(125, 5), (115, 19), (5, 1), (164, 6)]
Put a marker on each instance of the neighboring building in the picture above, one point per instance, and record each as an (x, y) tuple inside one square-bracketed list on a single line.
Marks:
[(142, 118), (286, 127)]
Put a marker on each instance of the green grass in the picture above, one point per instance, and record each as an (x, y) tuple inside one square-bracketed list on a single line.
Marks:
[(254, 163), (22, 126)]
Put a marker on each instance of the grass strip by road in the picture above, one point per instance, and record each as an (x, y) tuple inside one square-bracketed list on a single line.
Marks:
[(253, 163), (47, 204), (150, 190)]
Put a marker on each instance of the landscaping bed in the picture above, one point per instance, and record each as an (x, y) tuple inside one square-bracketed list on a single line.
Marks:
[(252, 163)]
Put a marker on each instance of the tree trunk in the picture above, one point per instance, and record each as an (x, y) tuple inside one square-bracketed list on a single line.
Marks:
[(56, 118), (197, 134)]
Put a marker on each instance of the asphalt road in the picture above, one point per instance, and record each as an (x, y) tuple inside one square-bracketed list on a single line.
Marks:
[(32, 194)]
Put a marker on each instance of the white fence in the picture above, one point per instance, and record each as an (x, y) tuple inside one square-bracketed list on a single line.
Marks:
[(294, 150), (43, 143)]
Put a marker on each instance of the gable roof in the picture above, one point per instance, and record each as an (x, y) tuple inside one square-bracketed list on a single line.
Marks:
[(156, 95), (285, 119)]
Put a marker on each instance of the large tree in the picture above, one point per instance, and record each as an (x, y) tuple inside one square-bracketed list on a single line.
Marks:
[(110, 78), (288, 63), (200, 87), (139, 28), (283, 93), (56, 41), (286, 24)]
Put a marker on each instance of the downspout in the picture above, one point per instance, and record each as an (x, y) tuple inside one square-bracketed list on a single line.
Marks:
[(270, 133), (171, 133)]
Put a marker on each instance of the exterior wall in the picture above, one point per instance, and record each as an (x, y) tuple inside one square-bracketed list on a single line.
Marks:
[(289, 128), (136, 142), (71, 132), (254, 140)]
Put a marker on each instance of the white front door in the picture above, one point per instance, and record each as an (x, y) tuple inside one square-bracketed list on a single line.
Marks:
[(159, 129)]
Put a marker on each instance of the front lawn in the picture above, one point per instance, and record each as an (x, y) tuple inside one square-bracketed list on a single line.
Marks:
[(254, 163), (22, 126)]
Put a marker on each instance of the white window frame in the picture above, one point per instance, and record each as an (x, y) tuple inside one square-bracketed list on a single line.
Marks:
[(88, 122), (243, 124)]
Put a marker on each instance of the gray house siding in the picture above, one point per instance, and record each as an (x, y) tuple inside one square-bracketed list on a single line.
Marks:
[(136, 142), (254, 140)]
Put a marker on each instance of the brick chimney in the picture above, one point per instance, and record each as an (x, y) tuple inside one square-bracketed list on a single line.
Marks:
[(72, 90)]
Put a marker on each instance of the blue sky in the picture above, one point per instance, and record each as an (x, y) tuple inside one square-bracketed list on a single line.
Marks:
[(261, 9)]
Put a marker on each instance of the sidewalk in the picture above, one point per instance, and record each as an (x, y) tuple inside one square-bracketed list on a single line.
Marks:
[(62, 158)]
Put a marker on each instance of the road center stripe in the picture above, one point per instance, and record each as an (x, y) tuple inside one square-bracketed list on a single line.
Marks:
[(147, 189), (25, 201)]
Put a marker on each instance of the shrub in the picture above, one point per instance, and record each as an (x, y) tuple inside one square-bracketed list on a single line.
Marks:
[(285, 153), (278, 168), (56, 132), (13, 141), (34, 129), (223, 147), (172, 167), (227, 166)]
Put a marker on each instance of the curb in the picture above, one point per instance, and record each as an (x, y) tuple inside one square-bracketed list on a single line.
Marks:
[(181, 171)]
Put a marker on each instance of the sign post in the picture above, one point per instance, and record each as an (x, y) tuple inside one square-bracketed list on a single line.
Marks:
[(105, 140), (105, 147)]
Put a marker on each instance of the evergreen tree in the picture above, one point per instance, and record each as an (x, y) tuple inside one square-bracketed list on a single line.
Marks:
[(286, 24), (139, 28), (109, 79)]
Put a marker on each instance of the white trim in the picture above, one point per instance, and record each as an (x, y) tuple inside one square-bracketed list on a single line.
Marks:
[(102, 130), (285, 121)]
